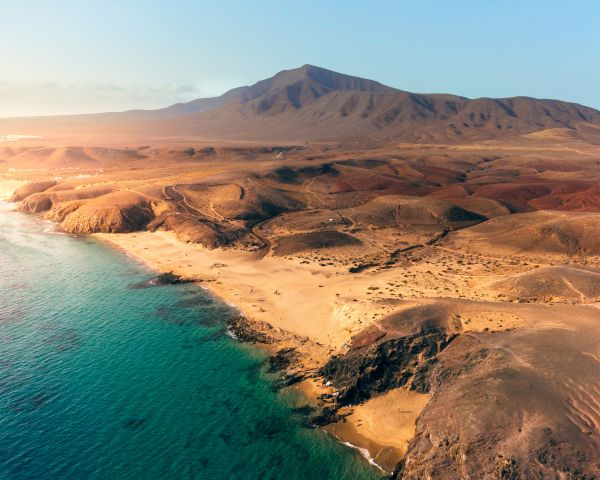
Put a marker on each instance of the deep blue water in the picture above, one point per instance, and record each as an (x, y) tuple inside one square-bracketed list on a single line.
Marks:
[(99, 380)]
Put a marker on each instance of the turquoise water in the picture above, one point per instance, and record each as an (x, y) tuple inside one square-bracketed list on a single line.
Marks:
[(99, 380)]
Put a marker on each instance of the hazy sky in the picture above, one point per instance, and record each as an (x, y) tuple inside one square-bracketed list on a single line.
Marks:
[(72, 56)]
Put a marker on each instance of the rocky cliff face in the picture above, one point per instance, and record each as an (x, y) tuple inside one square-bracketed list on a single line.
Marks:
[(195, 230), (92, 209), (118, 212), (400, 362), (492, 415), (30, 188), (59, 211), (36, 203)]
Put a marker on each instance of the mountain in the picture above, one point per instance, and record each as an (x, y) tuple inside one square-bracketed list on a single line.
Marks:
[(287, 89), (313, 103)]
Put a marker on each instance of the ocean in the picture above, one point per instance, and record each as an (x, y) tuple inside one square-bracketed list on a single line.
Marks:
[(101, 378)]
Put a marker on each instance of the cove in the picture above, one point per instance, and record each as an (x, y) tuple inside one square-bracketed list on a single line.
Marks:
[(101, 380)]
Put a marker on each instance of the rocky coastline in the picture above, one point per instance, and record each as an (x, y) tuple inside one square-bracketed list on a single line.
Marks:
[(467, 399)]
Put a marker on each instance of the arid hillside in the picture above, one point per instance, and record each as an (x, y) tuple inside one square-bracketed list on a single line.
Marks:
[(312, 103)]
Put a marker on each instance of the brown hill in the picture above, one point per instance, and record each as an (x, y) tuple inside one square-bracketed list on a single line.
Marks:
[(517, 411), (560, 283), (31, 188), (115, 212), (544, 232)]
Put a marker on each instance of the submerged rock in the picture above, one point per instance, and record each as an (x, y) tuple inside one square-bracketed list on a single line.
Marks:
[(247, 331), (282, 359), (135, 422), (167, 278)]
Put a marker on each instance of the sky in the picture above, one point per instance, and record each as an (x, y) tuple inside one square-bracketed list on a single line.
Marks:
[(78, 56)]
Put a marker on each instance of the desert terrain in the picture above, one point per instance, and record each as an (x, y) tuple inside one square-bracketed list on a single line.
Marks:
[(425, 268)]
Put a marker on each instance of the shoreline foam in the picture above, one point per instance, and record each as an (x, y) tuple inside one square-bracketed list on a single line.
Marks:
[(7, 187)]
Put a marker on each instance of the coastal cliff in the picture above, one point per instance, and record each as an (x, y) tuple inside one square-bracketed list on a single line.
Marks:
[(29, 189), (116, 212), (96, 209)]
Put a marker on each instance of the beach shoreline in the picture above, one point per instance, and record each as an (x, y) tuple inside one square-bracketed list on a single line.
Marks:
[(253, 286), (318, 325)]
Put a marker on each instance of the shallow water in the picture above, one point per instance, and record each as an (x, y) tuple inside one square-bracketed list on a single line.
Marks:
[(99, 380)]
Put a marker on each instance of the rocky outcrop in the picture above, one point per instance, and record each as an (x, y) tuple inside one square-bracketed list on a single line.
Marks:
[(30, 188), (398, 351), (36, 203), (59, 211), (282, 359), (117, 212), (257, 331), (249, 331), (405, 361), (493, 418), (192, 229), (162, 279), (501, 407)]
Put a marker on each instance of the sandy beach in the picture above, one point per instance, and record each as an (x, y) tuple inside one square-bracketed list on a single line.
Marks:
[(304, 303), (321, 304), (326, 304), (323, 307)]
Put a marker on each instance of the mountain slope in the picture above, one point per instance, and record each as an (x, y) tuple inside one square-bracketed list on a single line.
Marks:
[(312, 103)]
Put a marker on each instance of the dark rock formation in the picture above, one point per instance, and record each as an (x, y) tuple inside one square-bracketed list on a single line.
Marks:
[(405, 361), (167, 278), (325, 416), (247, 331), (399, 352), (282, 359)]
